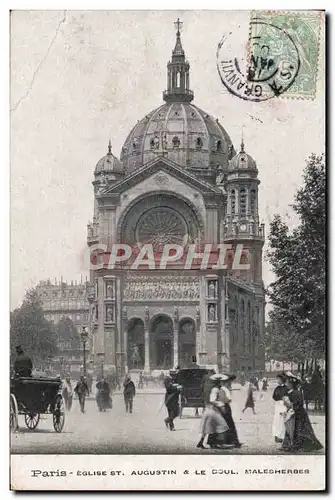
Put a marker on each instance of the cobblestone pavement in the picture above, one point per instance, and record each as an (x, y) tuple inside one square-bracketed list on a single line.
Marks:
[(144, 431)]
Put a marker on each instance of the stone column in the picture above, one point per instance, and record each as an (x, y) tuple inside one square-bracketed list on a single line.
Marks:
[(146, 341), (125, 338), (175, 337)]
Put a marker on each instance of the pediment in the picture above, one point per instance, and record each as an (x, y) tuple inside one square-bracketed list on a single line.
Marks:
[(158, 168)]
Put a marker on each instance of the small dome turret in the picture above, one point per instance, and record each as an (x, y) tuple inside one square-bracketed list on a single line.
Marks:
[(109, 163), (242, 161)]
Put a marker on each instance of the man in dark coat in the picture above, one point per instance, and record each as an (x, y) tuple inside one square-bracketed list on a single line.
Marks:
[(171, 401), (128, 393), (23, 365), (82, 391)]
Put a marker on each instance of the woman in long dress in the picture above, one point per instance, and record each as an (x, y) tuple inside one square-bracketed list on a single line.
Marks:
[(231, 436), (278, 426), (299, 433), (213, 424)]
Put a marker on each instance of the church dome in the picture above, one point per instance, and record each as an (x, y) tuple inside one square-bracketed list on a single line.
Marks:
[(178, 130), (109, 163), (242, 161)]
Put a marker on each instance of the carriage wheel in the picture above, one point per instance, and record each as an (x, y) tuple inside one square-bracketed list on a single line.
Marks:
[(31, 420), (13, 414), (59, 414)]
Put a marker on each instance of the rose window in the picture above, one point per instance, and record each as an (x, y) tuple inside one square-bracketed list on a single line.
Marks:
[(160, 226)]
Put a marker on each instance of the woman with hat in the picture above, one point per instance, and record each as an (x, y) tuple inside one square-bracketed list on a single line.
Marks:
[(231, 436), (212, 422), (278, 426), (299, 434)]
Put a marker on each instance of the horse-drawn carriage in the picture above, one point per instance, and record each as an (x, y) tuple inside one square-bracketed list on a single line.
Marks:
[(33, 397), (191, 379)]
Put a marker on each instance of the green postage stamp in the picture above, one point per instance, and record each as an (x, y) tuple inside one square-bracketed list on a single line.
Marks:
[(294, 35)]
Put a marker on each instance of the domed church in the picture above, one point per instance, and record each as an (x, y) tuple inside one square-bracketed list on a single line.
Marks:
[(179, 182)]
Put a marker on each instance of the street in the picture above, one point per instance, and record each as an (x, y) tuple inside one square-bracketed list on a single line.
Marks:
[(144, 431)]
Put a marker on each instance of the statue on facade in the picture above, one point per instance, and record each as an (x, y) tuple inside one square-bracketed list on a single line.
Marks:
[(211, 290), (109, 291), (109, 314), (135, 356), (211, 313), (124, 312)]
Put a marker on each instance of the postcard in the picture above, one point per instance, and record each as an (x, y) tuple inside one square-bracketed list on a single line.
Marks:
[(168, 214)]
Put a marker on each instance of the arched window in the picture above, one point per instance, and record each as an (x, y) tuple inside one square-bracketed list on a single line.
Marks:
[(242, 322), (256, 320), (199, 142), (218, 146), (252, 201), (178, 80), (243, 201), (176, 142), (233, 201), (249, 326)]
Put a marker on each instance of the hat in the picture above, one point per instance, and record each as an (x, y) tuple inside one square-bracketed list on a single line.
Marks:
[(216, 376), (229, 376), (290, 375)]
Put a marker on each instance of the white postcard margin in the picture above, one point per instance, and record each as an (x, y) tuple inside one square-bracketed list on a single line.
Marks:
[(168, 472)]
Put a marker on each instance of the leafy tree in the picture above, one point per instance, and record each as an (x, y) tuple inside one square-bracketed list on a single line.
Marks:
[(29, 328), (298, 260), (67, 332)]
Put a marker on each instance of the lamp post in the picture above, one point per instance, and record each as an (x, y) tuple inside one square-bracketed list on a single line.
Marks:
[(84, 337)]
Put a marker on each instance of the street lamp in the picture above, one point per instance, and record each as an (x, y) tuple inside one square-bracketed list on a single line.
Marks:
[(84, 337)]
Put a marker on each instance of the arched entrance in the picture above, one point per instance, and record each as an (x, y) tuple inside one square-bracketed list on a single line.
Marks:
[(135, 352), (186, 342), (161, 342)]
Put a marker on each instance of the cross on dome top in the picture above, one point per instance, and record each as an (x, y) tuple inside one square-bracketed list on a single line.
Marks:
[(178, 24)]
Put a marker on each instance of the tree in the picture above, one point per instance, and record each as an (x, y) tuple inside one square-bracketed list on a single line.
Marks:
[(30, 329), (67, 332), (298, 260)]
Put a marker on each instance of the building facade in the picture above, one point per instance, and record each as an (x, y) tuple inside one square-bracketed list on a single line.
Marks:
[(61, 300), (179, 181)]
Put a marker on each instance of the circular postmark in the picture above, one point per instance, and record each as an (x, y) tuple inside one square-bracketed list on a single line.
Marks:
[(263, 68)]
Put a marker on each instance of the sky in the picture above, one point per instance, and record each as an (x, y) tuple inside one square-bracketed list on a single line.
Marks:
[(80, 78)]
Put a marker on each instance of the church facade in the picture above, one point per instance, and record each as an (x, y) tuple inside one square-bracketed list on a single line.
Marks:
[(179, 181)]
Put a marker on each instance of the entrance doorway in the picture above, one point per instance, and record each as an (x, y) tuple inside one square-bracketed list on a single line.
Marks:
[(186, 342), (161, 342)]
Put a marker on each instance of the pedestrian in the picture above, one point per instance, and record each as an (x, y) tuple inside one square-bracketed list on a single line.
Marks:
[(231, 436), (82, 391), (128, 393), (278, 426), (299, 433), (67, 393), (265, 384), (172, 393), (103, 397), (213, 425), (250, 401), (140, 380)]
